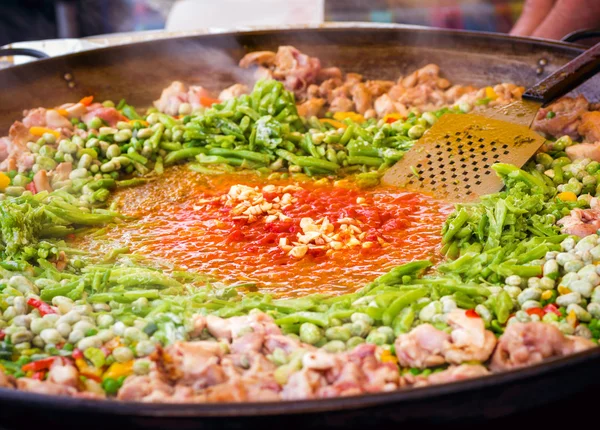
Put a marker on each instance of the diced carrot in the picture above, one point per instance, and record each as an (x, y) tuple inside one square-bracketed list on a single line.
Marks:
[(567, 196), (208, 101), (333, 122), (472, 314), (4, 181), (356, 117), (63, 112), (86, 101), (392, 117), (40, 131), (536, 311), (116, 370)]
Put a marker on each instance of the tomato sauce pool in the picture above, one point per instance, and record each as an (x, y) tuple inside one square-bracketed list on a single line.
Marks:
[(192, 221)]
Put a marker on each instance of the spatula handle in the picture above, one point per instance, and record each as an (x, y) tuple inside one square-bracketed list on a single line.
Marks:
[(567, 78)]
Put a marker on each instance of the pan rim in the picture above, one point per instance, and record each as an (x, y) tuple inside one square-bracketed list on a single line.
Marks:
[(283, 408), (365, 401), (322, 28)]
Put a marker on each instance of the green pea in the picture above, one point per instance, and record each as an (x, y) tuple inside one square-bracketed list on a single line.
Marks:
[(334, 346), (338, 333), (310, 333), (110, 386), (416, 131), (377, 338), (96, 123), (354, 341)]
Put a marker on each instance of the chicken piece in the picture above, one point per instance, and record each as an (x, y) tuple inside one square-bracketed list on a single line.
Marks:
[(311, 107), (590, 127), (6, 381), (469, 340), (285, 343), (34, 118), (525, 344), (329, 73), (198, 325), (258, 58), (341, 104), (233, 91), (62, 171), (198, 97), (361, 97), (195, 364), (584, 150), (63, 374), (303, 385), (422, 347), (55, 120), (248, 343), (580, 222), (171, 98), (569, 112), (109, 115), (148, 388), (19, 136), (74, 110), (41, 181), (296, 70), (45, 387), (378, 88), (378, 376), (384, 105), (453, 374)]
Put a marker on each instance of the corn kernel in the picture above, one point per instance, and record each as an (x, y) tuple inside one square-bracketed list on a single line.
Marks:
[(572, 318), (4, 181), (547, 295), (490, 93), (563, 290), (388, 357), (355, 117), (567, 196)]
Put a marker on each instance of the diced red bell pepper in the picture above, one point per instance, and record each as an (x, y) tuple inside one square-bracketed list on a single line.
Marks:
[(472, 314), (77, 354), (536, 311), (39, 365), (44, 308), (552, 308), (2, 334), (208, 101), (86, 101), (39, 375), (31, 187)]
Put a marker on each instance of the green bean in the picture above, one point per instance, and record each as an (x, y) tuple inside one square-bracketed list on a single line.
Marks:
[(154, 140), (316, 318), (503, 305), (404, 321), (182, 154), (395, 275), (170, 146), (134, 182), (240, 153), (401, 302), (158, 166), (136, 157), (367, 161), (455, 225), (310, 333)]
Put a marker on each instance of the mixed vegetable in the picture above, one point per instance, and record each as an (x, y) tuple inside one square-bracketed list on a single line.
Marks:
[(507, 260)]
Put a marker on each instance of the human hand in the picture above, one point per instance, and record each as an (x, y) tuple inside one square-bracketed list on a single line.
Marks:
[(554, 19)]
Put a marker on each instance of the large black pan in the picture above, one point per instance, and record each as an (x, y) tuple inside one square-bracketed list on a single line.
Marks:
[(139, 71)]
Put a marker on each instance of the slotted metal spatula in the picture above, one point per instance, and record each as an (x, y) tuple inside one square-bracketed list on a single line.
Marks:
[(453, 159)]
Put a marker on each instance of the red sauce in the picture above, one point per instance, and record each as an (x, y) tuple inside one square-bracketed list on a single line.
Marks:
[(173, 223)]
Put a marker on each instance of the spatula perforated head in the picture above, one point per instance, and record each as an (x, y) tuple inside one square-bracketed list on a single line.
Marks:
[(453, 160)]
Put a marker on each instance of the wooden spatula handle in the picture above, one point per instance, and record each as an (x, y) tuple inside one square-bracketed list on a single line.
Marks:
[(567, 78)]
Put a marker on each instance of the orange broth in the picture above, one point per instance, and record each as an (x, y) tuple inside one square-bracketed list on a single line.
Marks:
[(174, 222)]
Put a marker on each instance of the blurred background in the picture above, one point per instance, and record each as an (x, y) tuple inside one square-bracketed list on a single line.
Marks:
[(25, 20)]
